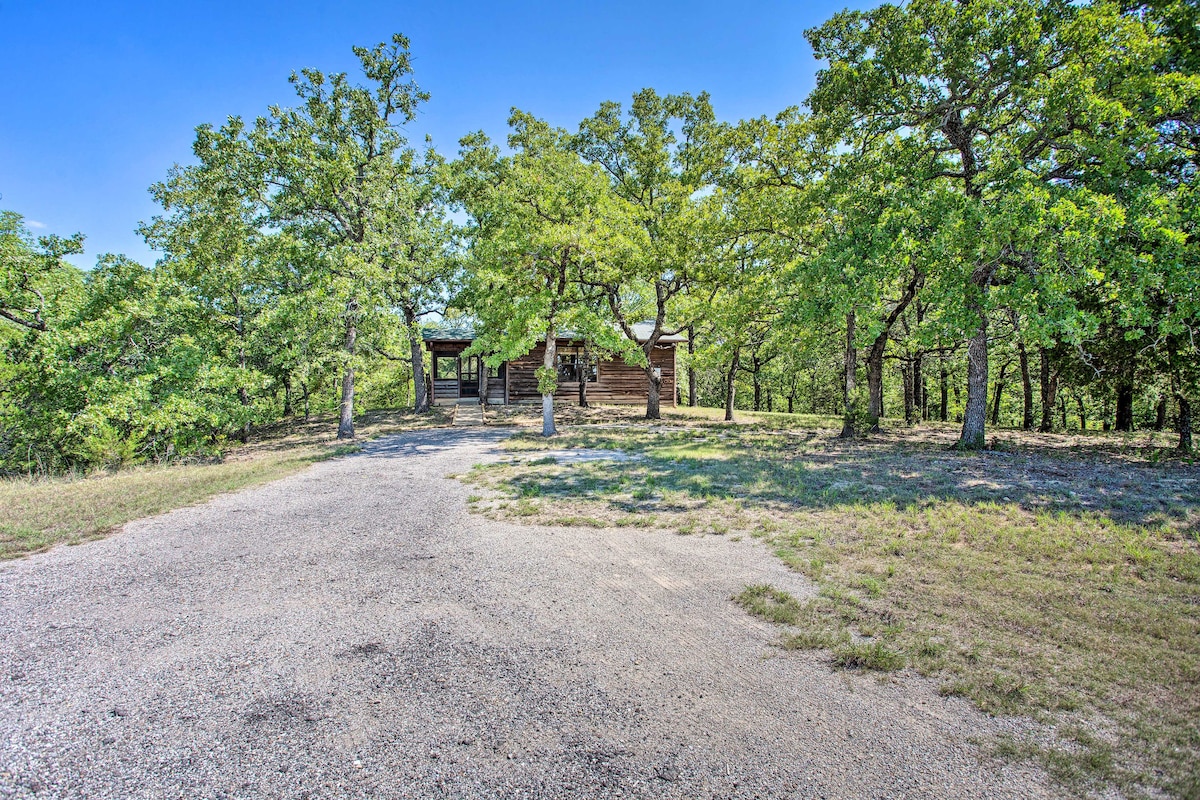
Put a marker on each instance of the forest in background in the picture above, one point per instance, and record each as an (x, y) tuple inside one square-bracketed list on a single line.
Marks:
[(985, 212)]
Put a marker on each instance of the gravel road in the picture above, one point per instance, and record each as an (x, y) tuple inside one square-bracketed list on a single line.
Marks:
[(352, 632)]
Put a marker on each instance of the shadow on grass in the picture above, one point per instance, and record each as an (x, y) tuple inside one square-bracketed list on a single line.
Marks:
[(813, 470)]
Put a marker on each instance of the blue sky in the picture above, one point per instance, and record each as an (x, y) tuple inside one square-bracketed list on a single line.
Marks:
[(102, 98)]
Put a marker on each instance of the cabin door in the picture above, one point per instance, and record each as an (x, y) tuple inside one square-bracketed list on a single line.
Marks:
[(468, 377)]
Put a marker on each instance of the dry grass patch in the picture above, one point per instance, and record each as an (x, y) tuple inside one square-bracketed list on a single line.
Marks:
[(37, 513), (1045, 579)]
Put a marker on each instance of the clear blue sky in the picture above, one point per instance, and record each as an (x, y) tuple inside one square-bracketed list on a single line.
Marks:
[(101, 98)]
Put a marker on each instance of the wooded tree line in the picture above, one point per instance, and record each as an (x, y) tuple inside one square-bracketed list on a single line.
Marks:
[(984, 212)]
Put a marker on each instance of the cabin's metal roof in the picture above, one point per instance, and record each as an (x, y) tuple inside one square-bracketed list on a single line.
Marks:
[(464, 331), (644, 329), (449, 331)]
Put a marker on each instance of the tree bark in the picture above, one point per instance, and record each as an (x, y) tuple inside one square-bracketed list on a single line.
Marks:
[(875, 381), (998, 395), (654, 392), (975, 414), (848, 387), (243, 394), (287, 395), (1082, 413), (757, 384), (1185, 423), (692, 366), (346, 420), (944, 407), (1160, 414), (417, 361), (910, 393), (548, 362), (731, 383), (1026, 389), (583, 375), (1049, 387), (1124, 406), (919, 387)]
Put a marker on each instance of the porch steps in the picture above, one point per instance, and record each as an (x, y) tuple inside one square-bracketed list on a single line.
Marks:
[(468, 415)]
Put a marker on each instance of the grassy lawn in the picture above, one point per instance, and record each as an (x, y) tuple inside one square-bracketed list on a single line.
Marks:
[(1055, 576), (37, 513)]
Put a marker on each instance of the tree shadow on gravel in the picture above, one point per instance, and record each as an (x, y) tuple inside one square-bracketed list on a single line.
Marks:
[(431, 443)]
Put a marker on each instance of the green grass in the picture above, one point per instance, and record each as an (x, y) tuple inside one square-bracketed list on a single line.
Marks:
[(38, 513), (769, 603), (1057, 579)]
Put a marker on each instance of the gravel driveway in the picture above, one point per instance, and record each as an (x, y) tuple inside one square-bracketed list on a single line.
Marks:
[(352, 632)]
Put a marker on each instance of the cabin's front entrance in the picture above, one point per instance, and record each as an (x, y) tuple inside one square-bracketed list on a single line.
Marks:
[(455, 377)]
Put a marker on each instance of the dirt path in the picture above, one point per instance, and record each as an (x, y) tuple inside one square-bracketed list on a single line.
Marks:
[(353, 632)]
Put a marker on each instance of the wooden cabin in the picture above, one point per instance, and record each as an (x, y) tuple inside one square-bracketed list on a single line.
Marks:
[(465, 379)]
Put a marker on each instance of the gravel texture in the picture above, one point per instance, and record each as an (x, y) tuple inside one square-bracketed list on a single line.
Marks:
[(352, 631)]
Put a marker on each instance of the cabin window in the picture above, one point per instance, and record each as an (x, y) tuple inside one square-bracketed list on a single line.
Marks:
[(445, 368), (572, 364)]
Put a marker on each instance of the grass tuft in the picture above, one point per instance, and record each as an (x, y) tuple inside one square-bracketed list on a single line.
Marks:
[(769, 603), (873, 655)]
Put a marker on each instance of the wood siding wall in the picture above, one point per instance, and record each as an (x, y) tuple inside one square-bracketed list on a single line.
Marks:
[(445, 390), (617, 382)]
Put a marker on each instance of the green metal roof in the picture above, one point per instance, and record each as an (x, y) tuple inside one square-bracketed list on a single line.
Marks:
[(460, 330), (449, 331)]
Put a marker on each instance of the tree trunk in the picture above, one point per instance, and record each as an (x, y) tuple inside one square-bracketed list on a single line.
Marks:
[(757, 385), (1026, 388), (919, 387), (288, 411), (1160, 414), (909, 377), (791, 403), (304, 399), (417, 360), (346, 420), (1049, 387), (243, 394), (975, 414), (875, 381), (548, 363), (1125, 406), (944, 408), (731, 383), (547, 398), (1082, 413), (653, 385), (851, 364), (1185, 423), (998, 394), (1062, 407), (585, 370), (692, 366)]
